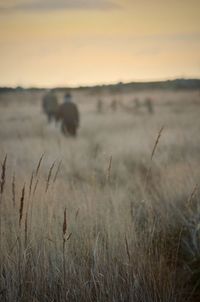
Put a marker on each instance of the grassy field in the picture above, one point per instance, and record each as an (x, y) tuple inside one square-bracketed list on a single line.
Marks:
[(99, 217)]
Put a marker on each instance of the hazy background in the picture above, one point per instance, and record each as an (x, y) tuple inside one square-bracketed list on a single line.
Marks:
[(55, 43)]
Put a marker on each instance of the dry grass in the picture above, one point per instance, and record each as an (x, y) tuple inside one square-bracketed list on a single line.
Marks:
[(87, 225)]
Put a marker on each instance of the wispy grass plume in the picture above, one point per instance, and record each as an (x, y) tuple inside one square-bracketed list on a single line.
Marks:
[(49, 176), (3, 175), (21, 205)]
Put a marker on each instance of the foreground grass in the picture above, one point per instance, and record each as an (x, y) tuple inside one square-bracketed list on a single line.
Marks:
[(98, 219), (93, 242)]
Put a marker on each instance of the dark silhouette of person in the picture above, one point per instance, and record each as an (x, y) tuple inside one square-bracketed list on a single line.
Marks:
[(113, 105), (50, 105), (149, 105), (99, 106), (69, 115)]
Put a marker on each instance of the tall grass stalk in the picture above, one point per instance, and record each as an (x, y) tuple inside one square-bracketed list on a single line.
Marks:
[(2, 186), (64, 231), (20, 259), (49, 176), (109, 169), (152, 156)]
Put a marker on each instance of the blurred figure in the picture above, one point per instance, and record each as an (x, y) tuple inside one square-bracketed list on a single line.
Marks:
[(99, 106), (136, 104), (149, 105), (67, 98), (50, 105), (113, 105), (69, 115)]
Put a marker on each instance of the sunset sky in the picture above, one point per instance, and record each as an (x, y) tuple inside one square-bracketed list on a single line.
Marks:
[(79, 42)]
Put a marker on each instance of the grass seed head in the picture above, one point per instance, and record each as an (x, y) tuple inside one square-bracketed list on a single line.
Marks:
[(21, 205), (3, 175), (49, 176), (64, 224)]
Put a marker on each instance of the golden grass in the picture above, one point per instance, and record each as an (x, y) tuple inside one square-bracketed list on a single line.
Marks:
[(85, 227)]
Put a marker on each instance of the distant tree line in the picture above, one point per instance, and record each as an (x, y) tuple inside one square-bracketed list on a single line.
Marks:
[(177, 84)]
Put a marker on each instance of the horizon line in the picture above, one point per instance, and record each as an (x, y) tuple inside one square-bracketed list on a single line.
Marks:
[(99, 84)]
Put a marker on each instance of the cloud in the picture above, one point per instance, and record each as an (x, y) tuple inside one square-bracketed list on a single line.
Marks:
[(46, 5)]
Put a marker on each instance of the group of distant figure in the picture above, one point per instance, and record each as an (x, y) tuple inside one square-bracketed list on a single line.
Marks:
[(134, 108), (67, 112)]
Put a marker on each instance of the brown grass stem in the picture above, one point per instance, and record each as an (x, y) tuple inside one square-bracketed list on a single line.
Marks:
[(39, 164), (3, 175), (49, 176), (152, 155), (21, 205), (64, 230), (109, 169)]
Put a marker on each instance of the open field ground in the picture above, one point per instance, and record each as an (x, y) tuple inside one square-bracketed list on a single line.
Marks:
[(131, 228)]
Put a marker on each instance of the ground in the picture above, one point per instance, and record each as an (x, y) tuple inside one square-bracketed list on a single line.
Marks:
[(132, 219)]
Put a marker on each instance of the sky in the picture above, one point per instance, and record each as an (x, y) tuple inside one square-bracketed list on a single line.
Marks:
[(48, 43)]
